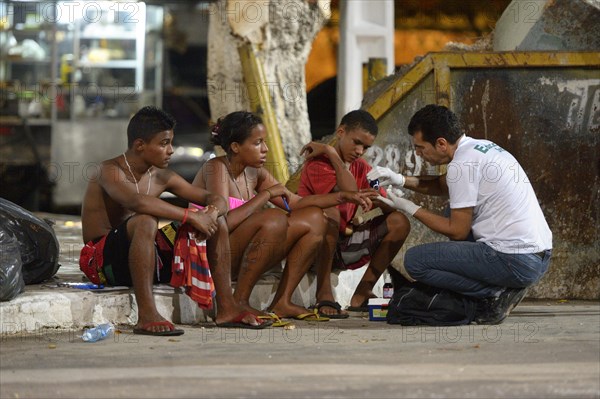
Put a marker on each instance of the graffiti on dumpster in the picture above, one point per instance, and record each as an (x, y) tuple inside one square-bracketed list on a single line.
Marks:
[(391, 157), (583, 100)]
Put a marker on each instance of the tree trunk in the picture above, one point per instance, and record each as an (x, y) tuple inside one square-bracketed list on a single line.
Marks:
[(284, 31)]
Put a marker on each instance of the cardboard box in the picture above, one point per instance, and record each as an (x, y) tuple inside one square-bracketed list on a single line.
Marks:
[(378, 309)]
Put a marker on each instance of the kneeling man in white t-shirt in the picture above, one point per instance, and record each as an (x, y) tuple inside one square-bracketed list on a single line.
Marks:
[(501, 243)]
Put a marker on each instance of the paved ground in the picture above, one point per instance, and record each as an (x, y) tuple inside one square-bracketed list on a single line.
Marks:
[(544, 349)]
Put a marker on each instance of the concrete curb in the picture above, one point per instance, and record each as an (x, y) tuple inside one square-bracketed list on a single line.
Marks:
[(40, 307), (46, 306)]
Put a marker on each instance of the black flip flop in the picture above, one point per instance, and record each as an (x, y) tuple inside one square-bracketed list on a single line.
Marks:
[(331, 304), (172, 332)]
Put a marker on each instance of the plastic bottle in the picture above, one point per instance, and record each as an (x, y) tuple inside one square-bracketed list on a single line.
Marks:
[(97, 333), (388, 287)]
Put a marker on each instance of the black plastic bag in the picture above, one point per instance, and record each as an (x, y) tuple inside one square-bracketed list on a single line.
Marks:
[(11, 267), (38, 245)]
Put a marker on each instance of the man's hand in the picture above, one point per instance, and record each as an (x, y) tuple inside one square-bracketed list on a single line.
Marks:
[(396, 201), (314, 149), (386, 176)]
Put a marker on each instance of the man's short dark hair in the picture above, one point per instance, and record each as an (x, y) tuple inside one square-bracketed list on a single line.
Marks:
[(147, 122), (360, 119), (435, 121)]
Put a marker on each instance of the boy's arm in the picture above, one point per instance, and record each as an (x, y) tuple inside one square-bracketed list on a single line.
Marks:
[(332, 199), (345, 181), (181, 188), (268, 183), (114, 183)]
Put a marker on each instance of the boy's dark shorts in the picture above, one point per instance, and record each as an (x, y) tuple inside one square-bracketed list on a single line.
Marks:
[(112, 266), (357, 249)]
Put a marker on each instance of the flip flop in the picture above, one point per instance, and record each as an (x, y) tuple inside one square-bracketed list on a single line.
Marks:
[(169, 333), (238, 323), (314, 316), (277, 322), (331, 304)]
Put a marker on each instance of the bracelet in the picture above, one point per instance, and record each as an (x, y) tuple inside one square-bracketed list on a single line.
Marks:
[(185, 215), (270, 193)]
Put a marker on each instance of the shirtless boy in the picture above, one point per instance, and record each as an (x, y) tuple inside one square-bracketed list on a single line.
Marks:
[(120, 214)]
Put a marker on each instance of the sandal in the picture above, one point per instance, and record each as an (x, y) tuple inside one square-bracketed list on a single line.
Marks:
[(331, 304)]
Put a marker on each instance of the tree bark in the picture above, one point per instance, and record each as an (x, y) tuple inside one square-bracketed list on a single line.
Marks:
[(284, 31)]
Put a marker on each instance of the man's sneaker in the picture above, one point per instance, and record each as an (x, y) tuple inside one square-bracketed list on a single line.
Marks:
[(495, 310)]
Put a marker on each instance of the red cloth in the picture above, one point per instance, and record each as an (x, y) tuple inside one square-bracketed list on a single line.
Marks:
[(190, 267), (91, 261), (318, 177)]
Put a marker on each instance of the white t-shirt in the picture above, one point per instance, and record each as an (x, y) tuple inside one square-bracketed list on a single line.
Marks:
[(506, 214)]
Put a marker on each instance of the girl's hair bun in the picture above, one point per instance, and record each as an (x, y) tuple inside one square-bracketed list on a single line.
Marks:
[(215, 132)]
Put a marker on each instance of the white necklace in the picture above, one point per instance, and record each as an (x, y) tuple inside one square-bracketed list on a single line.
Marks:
[(236, 185), (137, 188)]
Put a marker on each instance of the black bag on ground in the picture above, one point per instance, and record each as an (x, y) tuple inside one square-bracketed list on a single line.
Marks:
[(415, 304), (38, 245), (11, 267)]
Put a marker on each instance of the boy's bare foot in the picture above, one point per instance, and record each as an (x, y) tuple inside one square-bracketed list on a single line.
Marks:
[(358, 300), (155, 325), (152, 321), (361, 296)]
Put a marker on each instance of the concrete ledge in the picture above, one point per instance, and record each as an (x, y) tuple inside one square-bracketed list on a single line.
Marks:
[(46, 306), (42, 307)]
